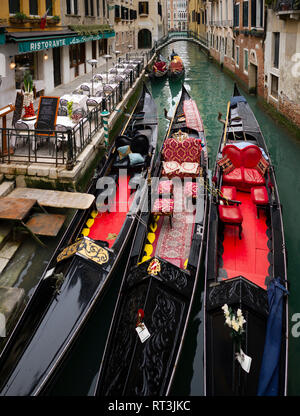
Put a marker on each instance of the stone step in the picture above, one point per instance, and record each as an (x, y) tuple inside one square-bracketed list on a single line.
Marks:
[(7, 252), (6, 187), (11, 298)]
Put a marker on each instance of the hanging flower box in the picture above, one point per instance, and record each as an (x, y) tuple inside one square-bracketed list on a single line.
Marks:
[(53, 20), (19, 18)]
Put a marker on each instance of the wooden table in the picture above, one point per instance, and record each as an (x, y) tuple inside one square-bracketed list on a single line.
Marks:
[(18, 210)]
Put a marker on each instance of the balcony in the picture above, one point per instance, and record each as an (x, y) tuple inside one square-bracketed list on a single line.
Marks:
[(221, 23), (288, 9)]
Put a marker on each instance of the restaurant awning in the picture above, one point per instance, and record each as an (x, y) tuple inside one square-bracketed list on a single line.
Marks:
[(40, 40)]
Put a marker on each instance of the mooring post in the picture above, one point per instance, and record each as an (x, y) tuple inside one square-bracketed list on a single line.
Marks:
[(104, 116)]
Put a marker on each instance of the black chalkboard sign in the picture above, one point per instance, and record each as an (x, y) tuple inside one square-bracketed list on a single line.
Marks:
[(18, 108), (47, 114)]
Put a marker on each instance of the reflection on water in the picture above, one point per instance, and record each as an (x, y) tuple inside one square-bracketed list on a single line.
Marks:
[(211, 89)]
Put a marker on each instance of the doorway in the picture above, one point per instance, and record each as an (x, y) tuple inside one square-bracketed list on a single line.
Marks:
[(252, 79), (144, 39), (56, 66)]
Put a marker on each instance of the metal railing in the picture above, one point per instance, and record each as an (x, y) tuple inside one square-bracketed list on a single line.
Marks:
[(62, 147), (287, 5), (187, 34)]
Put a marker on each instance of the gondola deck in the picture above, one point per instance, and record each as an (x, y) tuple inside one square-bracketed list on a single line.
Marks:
[(107, 225), (248, 256), (80, 271), (162, 270), (245, 266)]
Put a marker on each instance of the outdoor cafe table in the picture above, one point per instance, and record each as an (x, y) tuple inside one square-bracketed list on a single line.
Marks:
[(79, 100), (60, 120)]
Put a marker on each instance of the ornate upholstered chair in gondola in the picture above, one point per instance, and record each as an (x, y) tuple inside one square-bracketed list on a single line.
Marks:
[(165, 207), (259, 196), (231, 215)]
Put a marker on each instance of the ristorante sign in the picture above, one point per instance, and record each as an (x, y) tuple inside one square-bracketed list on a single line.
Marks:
[(39, 45)]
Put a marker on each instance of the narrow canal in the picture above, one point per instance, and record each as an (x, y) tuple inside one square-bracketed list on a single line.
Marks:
[(211, 88)]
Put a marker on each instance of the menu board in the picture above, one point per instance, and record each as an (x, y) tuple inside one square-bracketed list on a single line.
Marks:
[(47, 114), (18, 107)]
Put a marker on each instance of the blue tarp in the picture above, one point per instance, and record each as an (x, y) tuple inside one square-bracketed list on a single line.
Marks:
[(269, 373), (237, 99)]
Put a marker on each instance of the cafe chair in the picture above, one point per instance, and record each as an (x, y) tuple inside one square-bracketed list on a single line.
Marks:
[(113, 71), (80, 111), (78, 91), (61, 137), (99, 94), (98, 77), (107, 88), (86, 89), (63, 102), (22, 132), (62, 111)]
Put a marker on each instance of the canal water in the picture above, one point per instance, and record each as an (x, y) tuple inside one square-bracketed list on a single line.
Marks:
[(211, 89)]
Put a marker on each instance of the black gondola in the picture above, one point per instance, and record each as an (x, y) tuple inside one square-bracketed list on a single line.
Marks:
[(82, 266), (161, 275), (246, 274), (160, 68), (176, 68)]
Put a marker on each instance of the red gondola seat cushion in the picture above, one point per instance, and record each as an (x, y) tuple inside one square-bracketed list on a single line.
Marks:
[(165, 187), (246, 161), (163, 206), (252, 177), (230, 214), (185, 150), (229, 192), (259, 195), (234, 177)]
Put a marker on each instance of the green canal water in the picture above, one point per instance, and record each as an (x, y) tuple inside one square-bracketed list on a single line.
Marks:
[(210, 88)]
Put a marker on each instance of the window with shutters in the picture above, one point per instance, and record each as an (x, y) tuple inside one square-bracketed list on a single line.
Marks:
[(14, 6), (246, 60), (245, 14), (276, 40), (236, 15), (33, 8), (143, 7)]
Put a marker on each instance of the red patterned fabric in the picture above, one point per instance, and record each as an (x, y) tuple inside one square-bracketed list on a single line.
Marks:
[(186, 150), (230, 214), (253, 177), (163, 206), (259, 195), (165, 187), (228, 192), (226, 165), (262, 166), (192, 115), (191, 190)]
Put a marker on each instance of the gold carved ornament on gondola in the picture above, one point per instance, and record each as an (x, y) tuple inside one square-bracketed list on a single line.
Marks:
[(154, 267), (87, 249)]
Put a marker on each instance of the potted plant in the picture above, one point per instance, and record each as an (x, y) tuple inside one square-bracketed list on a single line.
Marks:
[(28, 97), (19, 17), (54, 20), (35, 20)]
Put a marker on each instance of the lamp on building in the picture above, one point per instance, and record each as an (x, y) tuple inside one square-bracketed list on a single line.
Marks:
[(46, 57), (12, 63), (107, 57), (92, 62)]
